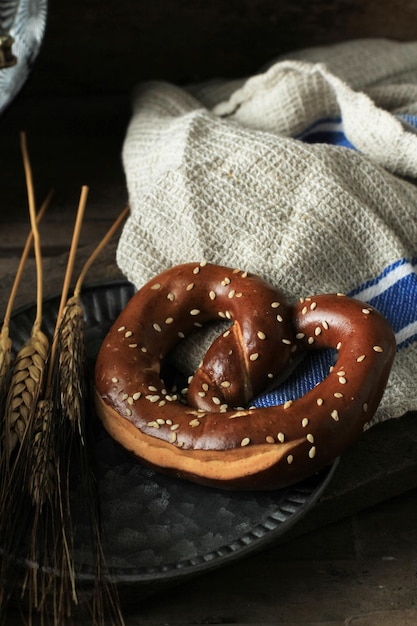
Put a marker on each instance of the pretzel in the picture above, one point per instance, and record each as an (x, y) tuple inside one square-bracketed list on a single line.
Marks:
[(209, 433)]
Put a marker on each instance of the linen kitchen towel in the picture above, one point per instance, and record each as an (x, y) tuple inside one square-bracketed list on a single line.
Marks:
[(304, 174)]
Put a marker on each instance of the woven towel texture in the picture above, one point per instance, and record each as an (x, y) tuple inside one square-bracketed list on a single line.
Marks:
[(222, 172)]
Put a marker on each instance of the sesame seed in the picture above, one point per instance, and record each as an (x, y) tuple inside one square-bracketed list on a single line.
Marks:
[(261, 335), (160, 421), (128, 412), (180, 334), (365, 407), (152, 388), (269, 439), (245, 442), (238, 414), (224, 408), (133, 345), (342, 380), (286, 341), (254, 356), (169, 320), (156, 327), (226, 281), (239, 294), (170, 296), (174, 426), (377, 349), (335, 415), (201, 394), (156, 286), (304, 422), (216, 400), (203, 263), (304, 310), (144, 349), (162, 403), (195, 312), (275, 305), (194, 423), (281, 437), (190, 286), (231, 293), (130, 400), (128, 334), (212, 295), (319, 401), (290, 459), (339, 345), (366, 311), (226, 333), (196, 270), (313, 306), (244, 274), (341, 373), (310, 438), (153, 398), (325, 325), (312, 452), (279, 318), (228, 315), (317, 331), (225, 383), (221, 314), (361, 358), (173, 437), (310, 340), (168, 422), (287, 404), (125, 396), (300, 336), (205, 386), (153, 424), (121, 329), (115, 379), (337, 394)]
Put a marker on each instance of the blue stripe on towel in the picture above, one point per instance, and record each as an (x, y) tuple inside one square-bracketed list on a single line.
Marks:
[(331, 131), (394, 293)]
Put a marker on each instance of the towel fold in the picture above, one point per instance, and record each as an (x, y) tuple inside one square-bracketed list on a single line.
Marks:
[(304, 174)]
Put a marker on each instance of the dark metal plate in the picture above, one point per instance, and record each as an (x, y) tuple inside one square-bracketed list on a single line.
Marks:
[(158, 528)]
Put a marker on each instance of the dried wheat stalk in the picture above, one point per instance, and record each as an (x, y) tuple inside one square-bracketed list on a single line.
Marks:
[(25, 388), (72, 378)]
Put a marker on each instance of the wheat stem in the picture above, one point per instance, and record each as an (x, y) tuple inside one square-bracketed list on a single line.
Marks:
[(35, 231), (99, 248)]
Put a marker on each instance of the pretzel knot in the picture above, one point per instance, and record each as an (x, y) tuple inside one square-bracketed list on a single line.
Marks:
[(209, 433)]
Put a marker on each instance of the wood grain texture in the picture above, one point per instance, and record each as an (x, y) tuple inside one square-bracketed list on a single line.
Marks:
[(91, 47)]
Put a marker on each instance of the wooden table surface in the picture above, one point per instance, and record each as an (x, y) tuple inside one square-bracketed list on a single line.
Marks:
[(77, 141)]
